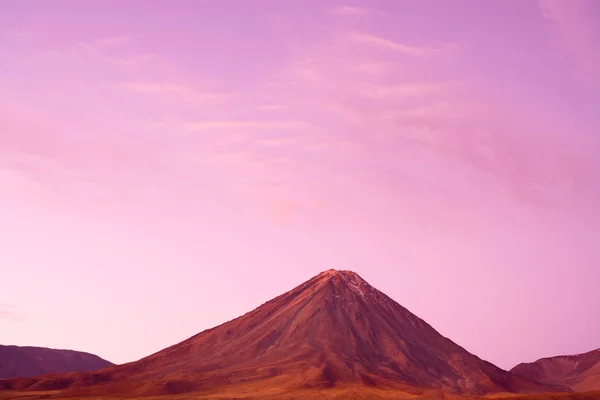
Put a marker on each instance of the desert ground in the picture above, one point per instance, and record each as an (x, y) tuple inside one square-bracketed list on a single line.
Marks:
[(347, 393)]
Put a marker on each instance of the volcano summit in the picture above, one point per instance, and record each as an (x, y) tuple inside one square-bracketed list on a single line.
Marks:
[(334, 330)]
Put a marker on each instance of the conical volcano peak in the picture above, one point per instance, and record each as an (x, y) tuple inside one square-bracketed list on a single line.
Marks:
[(343, 274), (345, 281)]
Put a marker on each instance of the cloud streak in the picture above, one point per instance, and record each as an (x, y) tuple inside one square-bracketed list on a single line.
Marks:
[(115, 50), (199, 126), (578, 33), (346, 10), (382, 43), (8, 312), (181, 92)]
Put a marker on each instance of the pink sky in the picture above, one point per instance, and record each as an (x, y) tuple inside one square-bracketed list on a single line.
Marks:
[(166, 166)]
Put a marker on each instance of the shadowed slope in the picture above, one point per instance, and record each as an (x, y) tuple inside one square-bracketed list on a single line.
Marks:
[(579, 372), (16, 361), (332, 330)]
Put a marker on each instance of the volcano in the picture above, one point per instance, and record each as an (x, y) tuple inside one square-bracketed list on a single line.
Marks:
[(335, 330)]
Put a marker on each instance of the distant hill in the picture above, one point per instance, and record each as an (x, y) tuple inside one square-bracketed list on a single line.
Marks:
[(580, 372), (332, 333), (16, 361)]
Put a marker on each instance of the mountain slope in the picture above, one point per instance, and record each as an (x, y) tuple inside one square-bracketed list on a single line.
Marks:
[(18, 361), (579, 372), (332, 330)]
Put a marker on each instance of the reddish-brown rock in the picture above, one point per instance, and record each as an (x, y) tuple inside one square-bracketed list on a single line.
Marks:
[(16, 361), (579, 372)]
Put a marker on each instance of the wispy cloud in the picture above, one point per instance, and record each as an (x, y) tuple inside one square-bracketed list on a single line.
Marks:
[(157, 88), (373, 40), (183, 92), (116, 40), (387, 106), (272, 107), (403, 90), (347, 10), (375, 68), (105, 50), (578, 33), (245, 124), (346, 91), (8, 312)]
